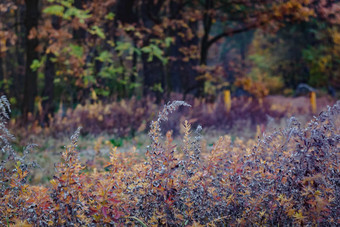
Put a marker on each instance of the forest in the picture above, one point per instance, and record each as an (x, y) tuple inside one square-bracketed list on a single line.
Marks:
[(180, 112), (72, 51)]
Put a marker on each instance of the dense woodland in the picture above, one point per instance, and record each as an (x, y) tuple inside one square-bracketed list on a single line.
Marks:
[(70, 51)]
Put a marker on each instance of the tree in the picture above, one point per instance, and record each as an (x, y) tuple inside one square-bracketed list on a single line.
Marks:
[(30, 89), (79, 49)]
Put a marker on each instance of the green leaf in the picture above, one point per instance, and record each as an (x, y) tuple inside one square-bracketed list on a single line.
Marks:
[(41, 76), (66, 3), (57, 10), (138, 51), (78, 13), (134, 85), (157, 87), (119, 70), (154, 50), (13, 101), (76, 50), (150, 57), (105, 56), (168, 41), (102, 92), (56, 80), (35, 65), (123, 46), (110, 16), (146, 49), (89, 79), (107, 72), (95, 30)]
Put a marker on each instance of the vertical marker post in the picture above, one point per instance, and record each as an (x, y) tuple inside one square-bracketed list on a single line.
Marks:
[(227, 100), (313, 102)]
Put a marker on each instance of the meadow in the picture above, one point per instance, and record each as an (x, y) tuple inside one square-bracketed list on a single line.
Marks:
[(285, 176)]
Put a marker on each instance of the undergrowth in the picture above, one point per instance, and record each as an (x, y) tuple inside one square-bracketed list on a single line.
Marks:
[(131, 117), (288, 177)]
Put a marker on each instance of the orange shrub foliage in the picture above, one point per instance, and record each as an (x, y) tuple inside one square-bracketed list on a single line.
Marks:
[(290, 177)]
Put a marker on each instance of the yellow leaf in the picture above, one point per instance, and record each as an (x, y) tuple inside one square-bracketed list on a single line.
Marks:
[(94, 95), (299, 216)]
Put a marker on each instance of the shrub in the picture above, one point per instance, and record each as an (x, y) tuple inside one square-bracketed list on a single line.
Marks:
[(129, 117), (290, 177), (13, 173)]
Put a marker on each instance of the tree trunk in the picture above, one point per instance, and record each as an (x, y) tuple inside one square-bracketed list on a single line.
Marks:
[(124, 12), (153, 71), (207, 23), (80, 33), (19, 72), (30, 84), (182, 73), (153, 74), (48, 92)]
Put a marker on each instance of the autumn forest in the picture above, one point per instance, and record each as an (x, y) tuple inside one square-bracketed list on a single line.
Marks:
[(180, 112)]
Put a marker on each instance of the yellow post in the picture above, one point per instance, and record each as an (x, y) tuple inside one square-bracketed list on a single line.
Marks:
[(258, 131), (227, 100), (313, 101)]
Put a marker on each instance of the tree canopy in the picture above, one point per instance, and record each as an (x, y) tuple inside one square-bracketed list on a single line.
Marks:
[(68, 51)]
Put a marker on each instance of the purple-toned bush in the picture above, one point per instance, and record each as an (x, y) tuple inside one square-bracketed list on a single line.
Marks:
[(290, 177)]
